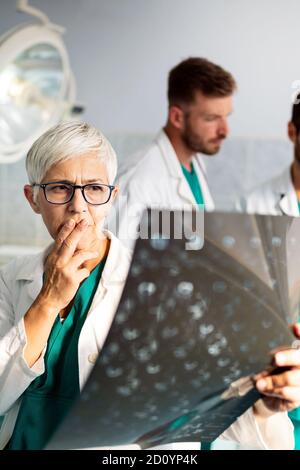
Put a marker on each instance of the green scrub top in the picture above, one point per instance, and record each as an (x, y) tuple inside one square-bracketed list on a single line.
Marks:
[(295, 418), (50, 396), (192, 179), (295, 414)]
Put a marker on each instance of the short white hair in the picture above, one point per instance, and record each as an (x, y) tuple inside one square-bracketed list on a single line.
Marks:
[(69, 139)]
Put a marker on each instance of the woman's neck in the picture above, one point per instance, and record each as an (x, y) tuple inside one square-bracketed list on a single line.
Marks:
[(102, 248)]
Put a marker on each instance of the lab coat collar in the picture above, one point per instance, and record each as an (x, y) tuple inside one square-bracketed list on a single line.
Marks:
[(116, 267), (174, 167), (32, 265), (32, 272), (115, 270), (287, 197), (170, 157), (175, 171)]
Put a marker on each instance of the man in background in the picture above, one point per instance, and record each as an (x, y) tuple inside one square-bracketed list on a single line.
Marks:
[(280, 195), (170, 173)]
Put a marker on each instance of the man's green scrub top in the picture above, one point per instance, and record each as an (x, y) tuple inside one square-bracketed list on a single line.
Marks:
[(192, 179)]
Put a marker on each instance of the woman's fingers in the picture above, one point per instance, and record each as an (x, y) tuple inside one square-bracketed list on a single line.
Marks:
[(83, 274), (69, 244), (64, 232)]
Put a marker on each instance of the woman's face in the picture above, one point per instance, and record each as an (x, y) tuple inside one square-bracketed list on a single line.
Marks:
[(84, 169)]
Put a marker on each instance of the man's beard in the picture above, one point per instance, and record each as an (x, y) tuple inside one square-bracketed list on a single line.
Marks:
[(196, 144)]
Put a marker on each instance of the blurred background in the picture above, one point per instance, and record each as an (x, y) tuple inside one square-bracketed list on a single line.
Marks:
[(120, 52)]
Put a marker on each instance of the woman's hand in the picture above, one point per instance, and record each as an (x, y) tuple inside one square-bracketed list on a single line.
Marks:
[(63, 275), (63, 268)]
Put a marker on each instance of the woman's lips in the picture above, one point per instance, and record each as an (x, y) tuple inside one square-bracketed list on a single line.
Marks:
[(76, 223)]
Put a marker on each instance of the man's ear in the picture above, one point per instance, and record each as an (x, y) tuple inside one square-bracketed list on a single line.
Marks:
[(28, 192), (176, 117), (292, 132)]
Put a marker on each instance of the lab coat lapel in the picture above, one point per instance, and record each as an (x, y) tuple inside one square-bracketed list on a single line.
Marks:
[(288, 204), (201, 174), (184, 191), (287, 197), (32, 274), (115, 270), (174, 169), (35, 286)]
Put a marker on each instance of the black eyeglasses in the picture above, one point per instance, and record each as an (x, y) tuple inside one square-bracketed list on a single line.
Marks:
[(59, 192)]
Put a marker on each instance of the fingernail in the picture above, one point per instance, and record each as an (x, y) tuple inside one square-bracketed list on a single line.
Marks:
[(261, 384), (70, 223), (279, 358)]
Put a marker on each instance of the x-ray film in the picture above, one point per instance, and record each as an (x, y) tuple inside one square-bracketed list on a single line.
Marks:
[(191, 329)]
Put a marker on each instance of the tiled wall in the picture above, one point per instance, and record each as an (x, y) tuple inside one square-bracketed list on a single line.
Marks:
[(240, 165)]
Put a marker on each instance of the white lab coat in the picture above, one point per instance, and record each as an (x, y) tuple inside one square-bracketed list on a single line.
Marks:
[(20, 283), (274, 197), (154, 179)]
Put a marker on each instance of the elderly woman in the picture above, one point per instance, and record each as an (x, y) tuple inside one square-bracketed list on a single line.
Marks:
[(56, 308)]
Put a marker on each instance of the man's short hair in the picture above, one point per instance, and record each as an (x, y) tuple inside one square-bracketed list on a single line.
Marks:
[(296, 113), (198, 74)]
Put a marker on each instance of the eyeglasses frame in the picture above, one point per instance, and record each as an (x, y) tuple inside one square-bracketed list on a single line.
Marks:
[(74, 187)]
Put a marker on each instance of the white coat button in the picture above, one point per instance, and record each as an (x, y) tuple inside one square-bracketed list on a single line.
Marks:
[(92, 357)]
